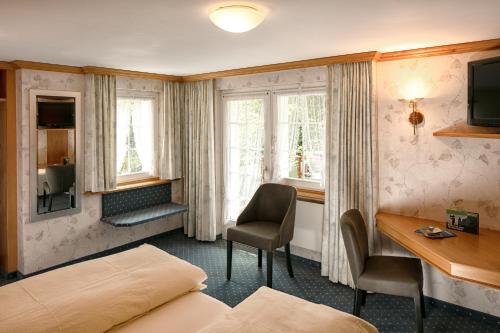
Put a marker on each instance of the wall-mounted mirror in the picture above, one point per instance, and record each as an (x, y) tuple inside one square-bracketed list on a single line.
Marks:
[(55, 151)]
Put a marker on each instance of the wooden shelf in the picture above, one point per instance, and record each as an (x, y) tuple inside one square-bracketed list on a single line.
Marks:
[(309, 195), (467, 131)]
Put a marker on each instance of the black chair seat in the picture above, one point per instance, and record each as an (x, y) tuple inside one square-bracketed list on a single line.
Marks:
[(259, 234), (392, 275)]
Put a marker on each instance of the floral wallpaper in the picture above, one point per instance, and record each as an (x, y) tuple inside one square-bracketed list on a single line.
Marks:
[(422, 175), (50, 242)]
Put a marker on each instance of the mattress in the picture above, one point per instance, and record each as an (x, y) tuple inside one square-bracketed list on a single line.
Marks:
[(186, 314)]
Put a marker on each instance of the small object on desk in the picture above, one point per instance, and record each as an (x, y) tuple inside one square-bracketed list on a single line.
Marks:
[(434, 232), (462, 221)]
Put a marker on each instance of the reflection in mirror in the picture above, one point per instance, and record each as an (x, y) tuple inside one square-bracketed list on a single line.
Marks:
[(55, 119)]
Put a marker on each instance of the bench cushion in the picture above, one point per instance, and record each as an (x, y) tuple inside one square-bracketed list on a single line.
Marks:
[(145, 215)]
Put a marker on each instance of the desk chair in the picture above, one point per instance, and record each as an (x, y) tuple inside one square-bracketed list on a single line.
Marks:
[(267, 223), (60, 179), (399, 276)]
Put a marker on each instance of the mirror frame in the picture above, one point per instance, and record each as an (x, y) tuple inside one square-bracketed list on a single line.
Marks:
[(34, 93)]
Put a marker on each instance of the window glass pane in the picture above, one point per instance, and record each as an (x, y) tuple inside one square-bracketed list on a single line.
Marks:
[(300, 137), (244, 153), (134, 135)]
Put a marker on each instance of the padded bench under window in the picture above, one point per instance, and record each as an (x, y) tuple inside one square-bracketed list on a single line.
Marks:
[(136, 206)]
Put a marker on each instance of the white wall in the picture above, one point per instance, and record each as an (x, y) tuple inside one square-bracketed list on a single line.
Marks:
[(308, 230)]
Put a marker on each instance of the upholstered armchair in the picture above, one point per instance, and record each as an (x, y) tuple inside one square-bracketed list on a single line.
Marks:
[(267, 223)]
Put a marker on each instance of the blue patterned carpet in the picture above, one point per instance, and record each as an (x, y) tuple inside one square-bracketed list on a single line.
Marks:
[(387, 313)]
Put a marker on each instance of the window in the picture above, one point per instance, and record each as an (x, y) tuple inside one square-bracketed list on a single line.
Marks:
[(300, 135), (279, 139), (135, 133)]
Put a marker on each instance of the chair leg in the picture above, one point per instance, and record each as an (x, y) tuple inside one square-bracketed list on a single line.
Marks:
[(50, 202), (259, 263), (269, 259), (422, 303), (363, 298), (229, 258), (418, 314), (288, 260), (358, 294), (44, 202)]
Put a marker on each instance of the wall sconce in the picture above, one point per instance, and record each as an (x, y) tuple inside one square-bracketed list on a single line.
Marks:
[(416, 117)]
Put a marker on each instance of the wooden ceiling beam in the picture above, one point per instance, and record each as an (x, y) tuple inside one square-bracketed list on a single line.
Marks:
[(484, 45), (122, 72), (355, 57), (41, 66)]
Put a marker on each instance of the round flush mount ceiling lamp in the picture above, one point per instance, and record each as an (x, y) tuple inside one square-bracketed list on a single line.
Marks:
[(236, 18)]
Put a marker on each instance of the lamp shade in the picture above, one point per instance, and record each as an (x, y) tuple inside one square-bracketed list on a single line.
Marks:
[(236, 18)]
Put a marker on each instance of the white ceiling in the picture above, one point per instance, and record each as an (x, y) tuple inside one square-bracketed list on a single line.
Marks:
[(176, 37)]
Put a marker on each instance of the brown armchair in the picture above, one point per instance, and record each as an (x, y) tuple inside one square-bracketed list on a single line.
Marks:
[(267, 223)]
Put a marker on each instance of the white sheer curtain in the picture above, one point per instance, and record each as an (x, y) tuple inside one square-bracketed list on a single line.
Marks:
[(313, 135), (299, 114), (288, 121), (351, 162), (142, 123), (243, 153), (100, 132)]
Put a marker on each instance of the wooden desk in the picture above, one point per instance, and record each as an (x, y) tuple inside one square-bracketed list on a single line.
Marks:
[(469, 257)]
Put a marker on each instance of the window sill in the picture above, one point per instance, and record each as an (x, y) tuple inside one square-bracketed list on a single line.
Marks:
[(309, 195), (135, 184)]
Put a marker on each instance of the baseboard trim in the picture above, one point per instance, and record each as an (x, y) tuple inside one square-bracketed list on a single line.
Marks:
[(9, 275), (303, 253)]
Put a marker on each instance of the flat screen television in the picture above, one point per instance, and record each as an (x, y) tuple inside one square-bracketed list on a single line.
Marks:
[(484, 92), (55, 112)]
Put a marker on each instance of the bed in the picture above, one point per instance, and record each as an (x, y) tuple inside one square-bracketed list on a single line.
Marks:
[(148, 290)]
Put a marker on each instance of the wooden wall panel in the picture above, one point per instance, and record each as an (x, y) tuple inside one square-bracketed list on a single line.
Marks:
[(57, 145), (8, 171), (3, 84), (3, 186)]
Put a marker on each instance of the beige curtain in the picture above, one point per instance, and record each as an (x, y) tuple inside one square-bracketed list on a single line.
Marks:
[(351, 161), (199, 160), (100, 132), (171, 129)]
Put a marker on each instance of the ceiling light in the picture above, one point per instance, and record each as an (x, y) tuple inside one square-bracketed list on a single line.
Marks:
[(236, 18)]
